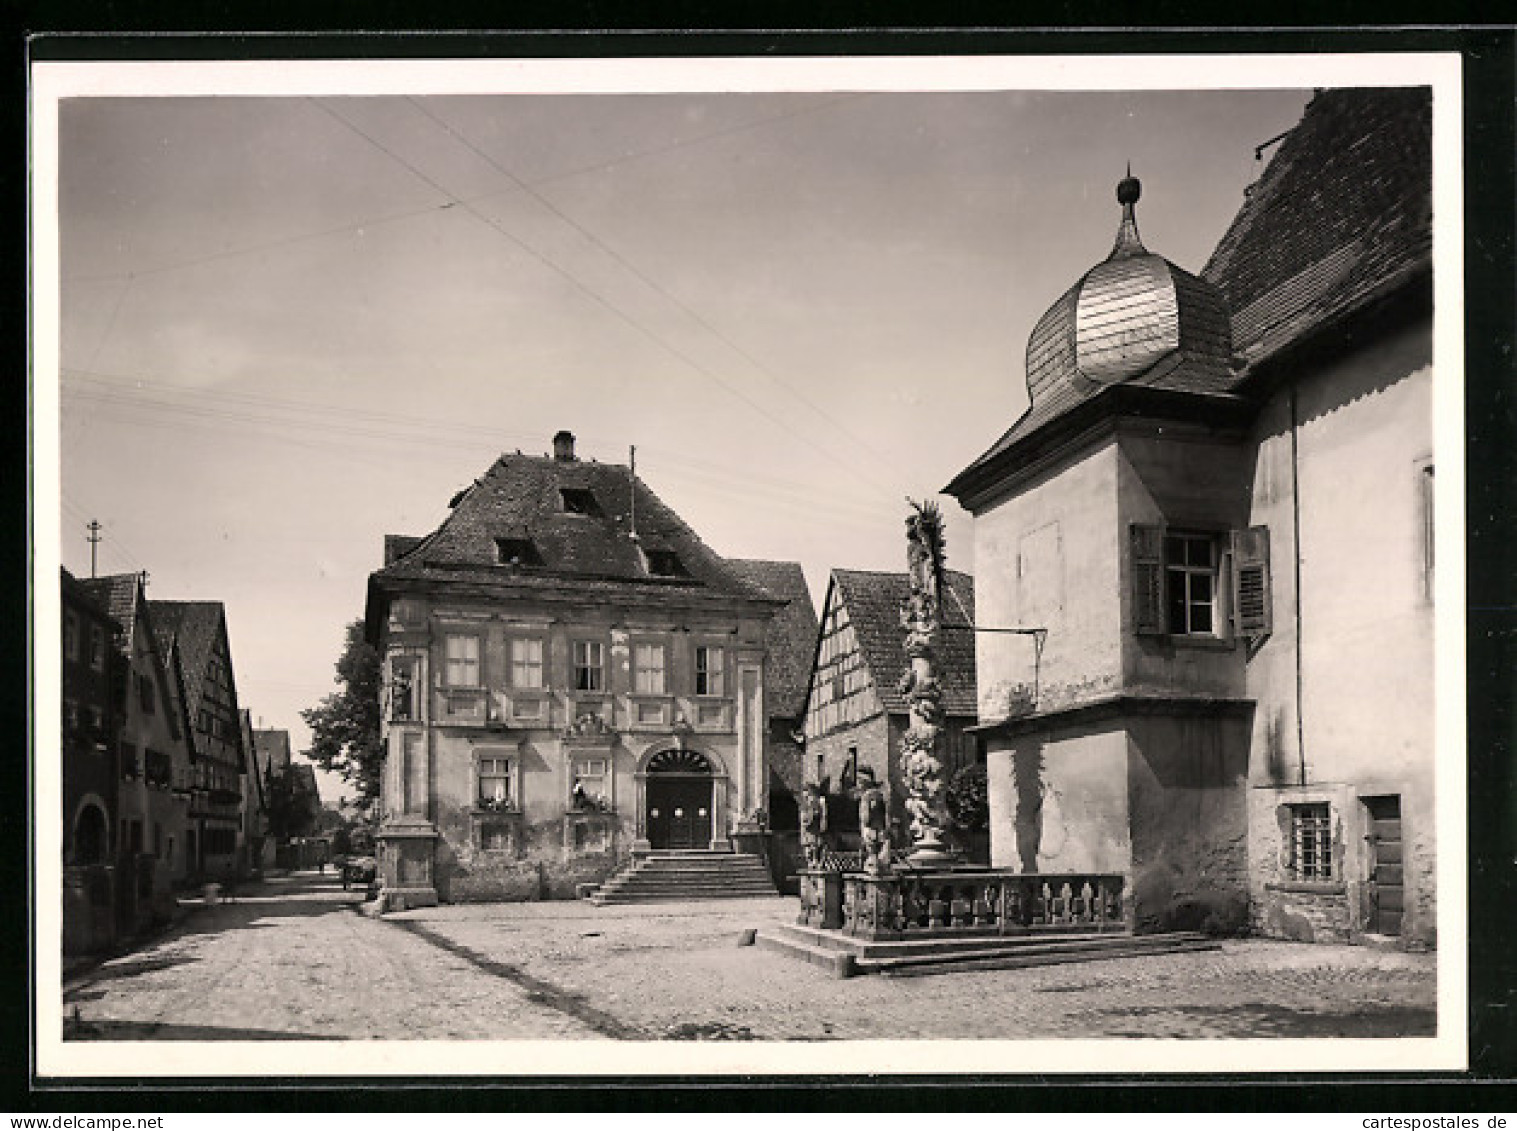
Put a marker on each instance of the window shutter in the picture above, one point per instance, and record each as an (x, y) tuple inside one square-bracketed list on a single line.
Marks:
[(1251, 589), (1147, 579)]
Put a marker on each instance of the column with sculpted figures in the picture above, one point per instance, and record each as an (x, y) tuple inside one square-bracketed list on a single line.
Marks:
[(921, 618)]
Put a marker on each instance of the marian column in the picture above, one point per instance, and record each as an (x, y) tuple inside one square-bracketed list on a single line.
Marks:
[(921, 617)]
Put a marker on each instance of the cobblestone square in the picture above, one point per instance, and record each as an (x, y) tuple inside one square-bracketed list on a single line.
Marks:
[(298, 958)]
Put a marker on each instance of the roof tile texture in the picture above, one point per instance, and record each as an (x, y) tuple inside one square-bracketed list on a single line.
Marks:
[(874, 603), (791, 634), (195, 626), (1341, 216), (1342, 213), (521, 497)]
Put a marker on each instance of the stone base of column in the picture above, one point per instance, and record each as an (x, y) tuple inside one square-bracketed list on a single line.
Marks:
[(930, 852)]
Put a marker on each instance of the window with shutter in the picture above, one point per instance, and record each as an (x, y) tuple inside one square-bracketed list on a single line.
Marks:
[(1251, 587), (1148, 579), (1190, 584)]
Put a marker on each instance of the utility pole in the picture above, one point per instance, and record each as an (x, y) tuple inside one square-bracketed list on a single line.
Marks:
[(94, 541)]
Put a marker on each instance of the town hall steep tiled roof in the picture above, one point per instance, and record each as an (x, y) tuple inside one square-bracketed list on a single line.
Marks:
[(874, 604), (519, 497), (791, 635)]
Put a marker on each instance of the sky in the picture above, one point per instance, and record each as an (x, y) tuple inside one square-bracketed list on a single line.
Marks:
[(292, 325)]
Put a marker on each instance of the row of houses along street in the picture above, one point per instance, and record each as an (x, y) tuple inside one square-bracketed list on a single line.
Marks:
[(1186, 695), (167, 785)]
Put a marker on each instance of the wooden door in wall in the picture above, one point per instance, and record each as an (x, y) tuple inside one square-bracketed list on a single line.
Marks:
[(679, 812), (1386, 876)]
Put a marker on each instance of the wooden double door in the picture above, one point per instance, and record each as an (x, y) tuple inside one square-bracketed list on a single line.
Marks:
[(679, 812)]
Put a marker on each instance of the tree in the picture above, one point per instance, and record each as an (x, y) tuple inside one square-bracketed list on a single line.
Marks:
[(292, 812), (345, 725), (969, 799)]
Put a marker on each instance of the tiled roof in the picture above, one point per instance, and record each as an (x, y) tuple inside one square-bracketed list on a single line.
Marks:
[(519, 498), (195, 627), (74, 591), (251, 766), (1342, 215), (399, 545), (791, 635), (1133, 319), (302, 786), (117, 595), (273, 748), (874, 604)]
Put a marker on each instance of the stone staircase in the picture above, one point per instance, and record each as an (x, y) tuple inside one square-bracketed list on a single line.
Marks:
[(845, 957), (668, 876)]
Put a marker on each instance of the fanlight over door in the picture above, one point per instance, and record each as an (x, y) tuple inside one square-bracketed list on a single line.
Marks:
[(680, 762)]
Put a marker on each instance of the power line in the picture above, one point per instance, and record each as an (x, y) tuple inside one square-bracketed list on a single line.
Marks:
[(779, 494), (726, 131), (231, 421), (407, 429), (112, 545), (253, 249), (650, 282), (589, 293), (345, 229), (110, 322)]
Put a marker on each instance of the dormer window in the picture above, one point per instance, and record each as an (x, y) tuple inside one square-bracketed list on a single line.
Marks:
[(517, 552), (665, 563), (578, 500)]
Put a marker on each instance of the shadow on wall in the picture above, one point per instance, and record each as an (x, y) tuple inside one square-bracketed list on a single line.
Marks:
[(1027, 774), (1275, 762), (444, 867)]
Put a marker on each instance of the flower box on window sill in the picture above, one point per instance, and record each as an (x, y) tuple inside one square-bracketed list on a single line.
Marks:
[(491, 805), (609, 811)]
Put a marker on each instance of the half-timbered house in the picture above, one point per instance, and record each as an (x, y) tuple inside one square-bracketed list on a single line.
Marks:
[(855, 711)]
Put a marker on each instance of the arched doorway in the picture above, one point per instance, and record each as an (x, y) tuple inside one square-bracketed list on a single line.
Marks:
[(680, 800), (90, 836)]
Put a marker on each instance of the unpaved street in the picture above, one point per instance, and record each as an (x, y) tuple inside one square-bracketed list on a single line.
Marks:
[(296, 958), (676, 970), (293, 958)]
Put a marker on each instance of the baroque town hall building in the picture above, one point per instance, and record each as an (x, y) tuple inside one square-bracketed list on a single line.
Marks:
[(571, 676)]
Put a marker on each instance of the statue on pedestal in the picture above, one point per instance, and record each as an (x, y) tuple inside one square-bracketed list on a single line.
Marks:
[(874, 824), (814, 822)]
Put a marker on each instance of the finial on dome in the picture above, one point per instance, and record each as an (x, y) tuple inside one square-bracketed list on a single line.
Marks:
[(1129, 188), (1128, 244)]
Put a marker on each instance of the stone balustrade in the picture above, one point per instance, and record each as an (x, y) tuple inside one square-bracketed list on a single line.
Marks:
[(962, 902)]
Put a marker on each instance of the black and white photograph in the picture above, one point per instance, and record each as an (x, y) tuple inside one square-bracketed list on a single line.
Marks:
[(814, 566)]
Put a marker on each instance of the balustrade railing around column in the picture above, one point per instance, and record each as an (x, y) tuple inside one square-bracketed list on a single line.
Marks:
[(910, 904)]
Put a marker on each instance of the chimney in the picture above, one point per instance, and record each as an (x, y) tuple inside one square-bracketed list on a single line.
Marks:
[(563, 445)]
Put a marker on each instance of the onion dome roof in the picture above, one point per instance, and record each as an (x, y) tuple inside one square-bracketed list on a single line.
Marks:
[(1134, 321), (1123, 318)]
